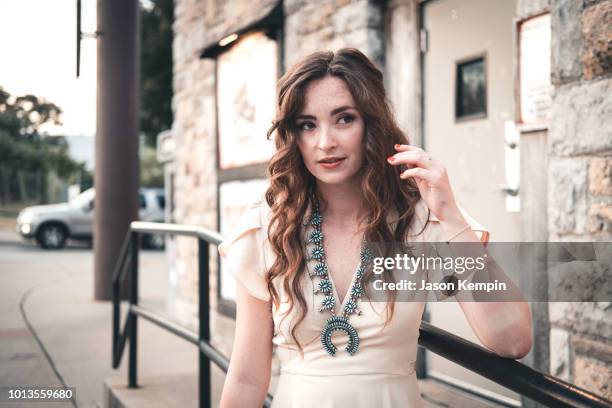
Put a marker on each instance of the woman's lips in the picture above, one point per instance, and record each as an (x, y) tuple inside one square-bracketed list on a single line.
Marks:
[(332, 165)]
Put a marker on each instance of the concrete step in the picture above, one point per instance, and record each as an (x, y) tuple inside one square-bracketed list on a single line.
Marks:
[(181, 391), (175, 391)]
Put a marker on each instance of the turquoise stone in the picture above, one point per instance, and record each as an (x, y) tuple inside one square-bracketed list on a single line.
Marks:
[(320, 269), (325, 286), (357, 291), (315, 237), (351, 307), (328, 303), (317, 253)]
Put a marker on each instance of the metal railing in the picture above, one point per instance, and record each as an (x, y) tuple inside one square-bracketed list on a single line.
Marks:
[(129, 256), (509, 373)]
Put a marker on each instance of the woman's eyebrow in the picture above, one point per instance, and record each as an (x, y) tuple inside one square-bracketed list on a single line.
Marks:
[(341, 109), (334, 112), (305, 117)]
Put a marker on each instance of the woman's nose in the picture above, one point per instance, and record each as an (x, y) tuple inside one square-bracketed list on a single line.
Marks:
[(327, 139)]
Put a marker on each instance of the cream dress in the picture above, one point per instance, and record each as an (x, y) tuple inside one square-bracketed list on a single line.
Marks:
[(380, 374)]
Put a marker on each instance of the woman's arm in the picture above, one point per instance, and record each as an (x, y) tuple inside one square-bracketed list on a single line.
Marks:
[(248, 377), (503, 327)]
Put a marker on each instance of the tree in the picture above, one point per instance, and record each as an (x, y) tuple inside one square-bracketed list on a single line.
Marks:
[(157, 17), (26, 156), (151, 172)]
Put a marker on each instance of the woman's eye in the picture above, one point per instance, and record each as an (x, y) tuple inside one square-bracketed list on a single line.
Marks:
[(346, 119), (306, 126)]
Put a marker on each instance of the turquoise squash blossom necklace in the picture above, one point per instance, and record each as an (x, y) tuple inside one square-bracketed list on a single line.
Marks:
[(325, 286)]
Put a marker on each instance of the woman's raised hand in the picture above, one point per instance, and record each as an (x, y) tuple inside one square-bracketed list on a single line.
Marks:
[(431, 179)]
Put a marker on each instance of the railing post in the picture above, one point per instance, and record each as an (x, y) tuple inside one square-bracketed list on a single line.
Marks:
[(116, 316), (204, 318), (133, 318)]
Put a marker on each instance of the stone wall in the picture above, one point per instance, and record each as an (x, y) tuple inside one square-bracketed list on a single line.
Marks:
[(580, 174), (331, 24), (193, 129)]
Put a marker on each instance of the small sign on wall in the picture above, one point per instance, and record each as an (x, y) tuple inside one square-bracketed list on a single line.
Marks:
[(535, 86)]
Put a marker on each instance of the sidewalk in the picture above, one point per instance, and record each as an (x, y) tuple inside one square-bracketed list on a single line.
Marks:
[(56, 290)]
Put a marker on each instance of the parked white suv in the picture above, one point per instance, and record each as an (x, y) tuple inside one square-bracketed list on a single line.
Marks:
[(51, 225)]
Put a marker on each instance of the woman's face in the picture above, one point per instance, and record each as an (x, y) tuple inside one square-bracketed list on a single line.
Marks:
[(330, 132)]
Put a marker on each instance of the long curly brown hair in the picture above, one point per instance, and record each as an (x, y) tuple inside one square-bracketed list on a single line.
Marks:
[(292, 187)]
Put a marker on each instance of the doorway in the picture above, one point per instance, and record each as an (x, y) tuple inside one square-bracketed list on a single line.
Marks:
[(468, 112)]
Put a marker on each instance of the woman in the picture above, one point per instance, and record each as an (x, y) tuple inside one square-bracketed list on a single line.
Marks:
[(343, 174)]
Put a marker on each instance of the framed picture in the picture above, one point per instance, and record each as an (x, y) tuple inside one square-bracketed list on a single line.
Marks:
[(471, 89)]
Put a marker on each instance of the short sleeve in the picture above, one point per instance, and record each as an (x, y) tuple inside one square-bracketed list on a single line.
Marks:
[(242, 253)]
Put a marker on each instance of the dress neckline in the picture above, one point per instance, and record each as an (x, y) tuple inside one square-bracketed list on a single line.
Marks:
[(348, 291), (335, 293)]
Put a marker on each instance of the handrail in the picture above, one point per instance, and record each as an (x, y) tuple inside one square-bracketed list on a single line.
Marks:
[(509, 373), (212, 237), (512, 374)]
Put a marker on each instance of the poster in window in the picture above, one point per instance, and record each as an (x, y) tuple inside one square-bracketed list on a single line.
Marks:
[(246, 95), (234, 197), (535, 86)]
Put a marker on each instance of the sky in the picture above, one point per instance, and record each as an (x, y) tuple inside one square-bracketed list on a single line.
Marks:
[(38, 56)]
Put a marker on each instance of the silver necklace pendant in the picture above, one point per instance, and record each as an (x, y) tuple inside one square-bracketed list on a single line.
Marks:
[(339, 323), (335, 323)]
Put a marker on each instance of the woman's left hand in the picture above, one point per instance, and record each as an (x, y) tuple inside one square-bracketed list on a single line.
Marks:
[(431, 179)]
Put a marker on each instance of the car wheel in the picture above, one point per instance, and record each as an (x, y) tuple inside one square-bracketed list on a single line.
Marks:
[(155, 241), (52, 236)]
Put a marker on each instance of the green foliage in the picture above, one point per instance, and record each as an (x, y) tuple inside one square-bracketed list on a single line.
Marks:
[(24, 115), (26, 156), (156, 61), (151, 171)]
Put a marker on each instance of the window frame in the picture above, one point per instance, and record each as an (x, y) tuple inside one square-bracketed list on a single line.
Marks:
[(272, 26)]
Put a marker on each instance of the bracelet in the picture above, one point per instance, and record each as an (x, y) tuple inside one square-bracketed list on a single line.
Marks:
[(457, 233)]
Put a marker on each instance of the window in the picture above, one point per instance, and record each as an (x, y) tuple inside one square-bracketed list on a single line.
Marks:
[(142, 201), (471, 89), (246, 100), (248, 65), (161, 201)]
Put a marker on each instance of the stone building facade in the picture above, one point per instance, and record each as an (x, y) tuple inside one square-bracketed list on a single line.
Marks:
[(571, 159), (580, 180)]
